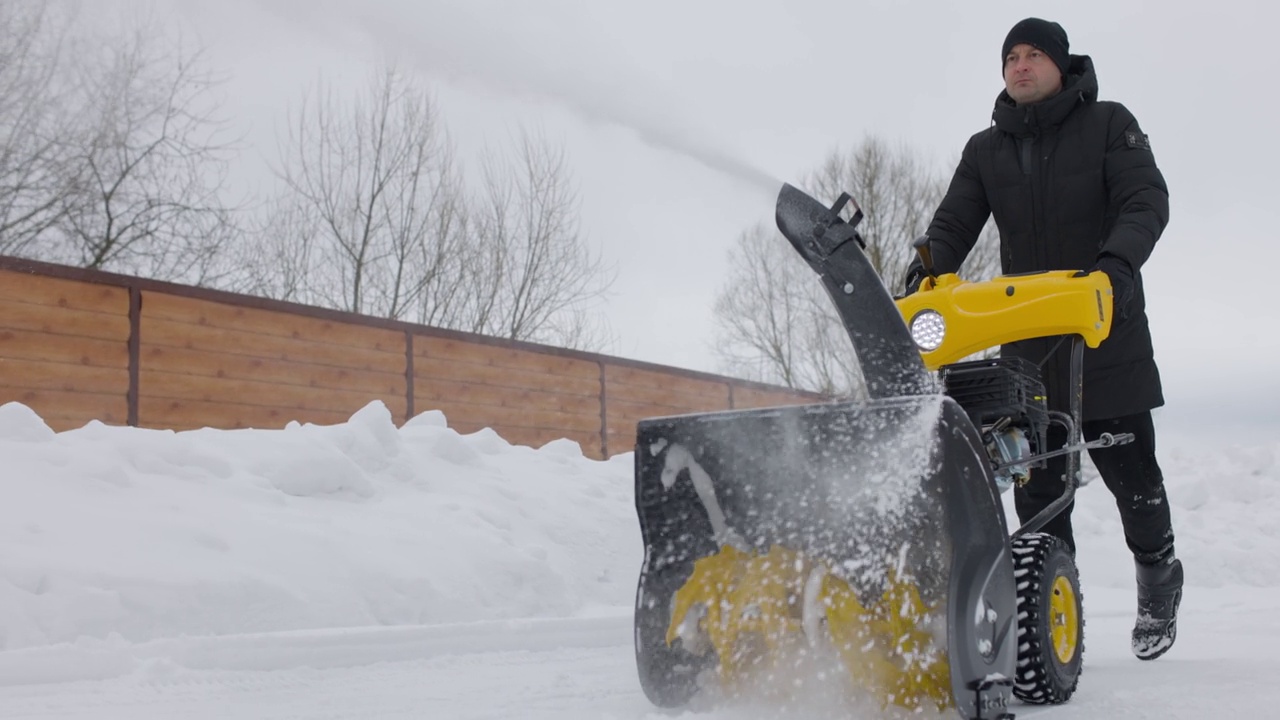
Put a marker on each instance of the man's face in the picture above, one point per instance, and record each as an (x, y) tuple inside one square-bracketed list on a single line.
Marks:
[(1029, 75)]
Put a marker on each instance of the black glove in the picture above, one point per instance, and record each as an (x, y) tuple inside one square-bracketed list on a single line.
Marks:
[(915, 276), (1121, 276)]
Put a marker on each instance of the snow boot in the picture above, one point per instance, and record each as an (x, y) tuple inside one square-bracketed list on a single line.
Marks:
[(1159, 593)]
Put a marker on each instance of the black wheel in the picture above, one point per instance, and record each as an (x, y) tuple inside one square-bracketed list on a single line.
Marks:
[(1050, 620)]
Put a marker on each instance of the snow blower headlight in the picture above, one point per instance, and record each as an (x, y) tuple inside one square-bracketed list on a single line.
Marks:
[(928, 328)]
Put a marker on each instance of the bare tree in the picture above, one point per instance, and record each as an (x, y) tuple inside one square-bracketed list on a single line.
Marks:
[(771, 319), (148, 159), (897, 191), (34, 124), (441, 267), (370, 218), (774, 320), (375, 218), (534, 277), (274, 256)]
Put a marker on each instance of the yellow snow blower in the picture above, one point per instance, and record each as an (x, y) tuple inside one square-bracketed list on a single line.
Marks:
[(865, 543)]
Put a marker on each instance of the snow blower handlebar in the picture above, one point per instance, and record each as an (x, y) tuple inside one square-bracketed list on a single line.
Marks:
[(953, 318)]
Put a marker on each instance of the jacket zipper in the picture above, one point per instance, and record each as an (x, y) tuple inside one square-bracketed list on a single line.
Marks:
[(1027, 161)]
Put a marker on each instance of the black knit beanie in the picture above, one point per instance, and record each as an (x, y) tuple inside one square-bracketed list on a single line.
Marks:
[(1048, 36)]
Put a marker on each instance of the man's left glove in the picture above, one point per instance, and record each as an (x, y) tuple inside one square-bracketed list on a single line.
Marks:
[(1121, 276)]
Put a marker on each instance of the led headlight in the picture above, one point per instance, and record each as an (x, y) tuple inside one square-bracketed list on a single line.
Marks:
[(928, 328)]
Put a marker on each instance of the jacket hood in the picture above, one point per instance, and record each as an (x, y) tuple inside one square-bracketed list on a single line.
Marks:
[(1079, 86)]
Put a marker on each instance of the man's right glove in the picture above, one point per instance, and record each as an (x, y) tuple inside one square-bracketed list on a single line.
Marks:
[(1121, 276)]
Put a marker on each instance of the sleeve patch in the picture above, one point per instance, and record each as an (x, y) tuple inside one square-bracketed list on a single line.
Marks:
[(1137, 140)]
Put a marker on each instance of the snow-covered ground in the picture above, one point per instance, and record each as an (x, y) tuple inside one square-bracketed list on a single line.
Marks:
[(363, 570)]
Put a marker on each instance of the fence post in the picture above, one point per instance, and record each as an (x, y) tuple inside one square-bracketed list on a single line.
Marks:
[(604, 413), (408, 375), (135, 353)]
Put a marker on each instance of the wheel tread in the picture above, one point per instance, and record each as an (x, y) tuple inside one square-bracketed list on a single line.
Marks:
[(1034, 684)]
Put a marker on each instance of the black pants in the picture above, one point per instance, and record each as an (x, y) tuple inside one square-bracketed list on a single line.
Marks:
[(1130, 473)]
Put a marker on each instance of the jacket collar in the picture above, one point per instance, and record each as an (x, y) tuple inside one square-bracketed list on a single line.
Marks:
[(1047, 116)]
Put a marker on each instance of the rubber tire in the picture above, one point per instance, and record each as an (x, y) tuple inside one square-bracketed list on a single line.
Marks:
[(1041, 678)]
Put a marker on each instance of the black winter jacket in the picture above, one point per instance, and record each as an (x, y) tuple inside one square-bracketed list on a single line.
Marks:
[(1067, 179)]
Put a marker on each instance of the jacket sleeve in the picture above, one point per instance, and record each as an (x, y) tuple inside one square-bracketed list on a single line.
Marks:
[(960, 217), (1136, 188)]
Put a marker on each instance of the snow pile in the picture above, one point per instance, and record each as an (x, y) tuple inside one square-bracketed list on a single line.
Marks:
[(1224, 497), (146, 534), (128, 535)]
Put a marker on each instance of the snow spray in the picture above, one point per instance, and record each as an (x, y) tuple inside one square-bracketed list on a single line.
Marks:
[(451, 45)]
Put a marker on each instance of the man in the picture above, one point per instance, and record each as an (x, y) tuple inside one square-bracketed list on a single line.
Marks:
[(1073, 184)]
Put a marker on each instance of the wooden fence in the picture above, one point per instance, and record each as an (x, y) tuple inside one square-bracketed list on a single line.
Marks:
[(79, 345)]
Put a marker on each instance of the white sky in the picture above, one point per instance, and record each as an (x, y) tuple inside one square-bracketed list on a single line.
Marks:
[(367, 571), (681, 118)]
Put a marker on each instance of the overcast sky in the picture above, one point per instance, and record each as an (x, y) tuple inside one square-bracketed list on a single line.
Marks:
[(681, 117)]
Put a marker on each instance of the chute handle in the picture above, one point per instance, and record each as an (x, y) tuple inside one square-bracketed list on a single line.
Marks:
[(921, 244)]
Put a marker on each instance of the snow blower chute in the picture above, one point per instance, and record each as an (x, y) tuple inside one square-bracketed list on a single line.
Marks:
[(863, 544)]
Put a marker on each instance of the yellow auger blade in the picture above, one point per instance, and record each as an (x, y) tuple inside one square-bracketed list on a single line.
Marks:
[(748, 605), (981, 315), (887, 647), (750, 609)]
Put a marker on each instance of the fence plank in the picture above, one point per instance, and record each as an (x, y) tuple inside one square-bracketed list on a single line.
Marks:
[(465, 353), (169, 333), (671, 399), (43, 347), (633, 376), (636, 385), (222, 366), (192, 414), (63, 321), (502, 379), (66, 294), (428, 370), (194, 311), (67, 377), (177, 386), (437, 390), (62, 410)]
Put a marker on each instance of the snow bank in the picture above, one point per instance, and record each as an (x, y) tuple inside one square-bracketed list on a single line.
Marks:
[(144, 534), (1224, 498)]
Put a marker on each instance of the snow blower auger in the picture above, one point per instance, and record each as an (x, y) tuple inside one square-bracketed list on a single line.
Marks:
[(865, 541)]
